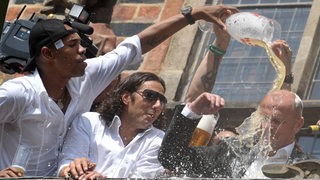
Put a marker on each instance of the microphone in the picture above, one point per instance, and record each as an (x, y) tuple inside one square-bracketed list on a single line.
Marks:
[(82, 28), (310, 129)]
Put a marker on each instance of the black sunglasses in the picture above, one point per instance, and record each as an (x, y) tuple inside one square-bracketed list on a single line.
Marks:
[(152, 96)]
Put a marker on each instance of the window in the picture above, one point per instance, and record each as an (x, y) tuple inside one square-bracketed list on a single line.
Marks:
[(246, 73), (310, 144)]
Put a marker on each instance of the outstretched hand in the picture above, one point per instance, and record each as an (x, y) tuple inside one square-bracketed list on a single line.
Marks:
[(207, 103), (216, 14), (283, 51)]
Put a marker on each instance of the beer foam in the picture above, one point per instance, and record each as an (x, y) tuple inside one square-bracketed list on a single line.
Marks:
[(208, 122)]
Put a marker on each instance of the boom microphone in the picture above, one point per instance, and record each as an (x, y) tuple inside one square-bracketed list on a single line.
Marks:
[(310, 129), (83, 28)]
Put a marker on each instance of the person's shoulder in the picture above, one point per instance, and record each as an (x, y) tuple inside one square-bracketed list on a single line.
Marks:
[(93, 117), (157, 132), (88, 118), (20, 86), (20, 80), (89, 114)]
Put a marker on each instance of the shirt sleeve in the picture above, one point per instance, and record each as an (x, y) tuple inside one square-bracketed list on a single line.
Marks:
[(175, 153), (186, 111), (77, 141), (103, 69), (13, 101)]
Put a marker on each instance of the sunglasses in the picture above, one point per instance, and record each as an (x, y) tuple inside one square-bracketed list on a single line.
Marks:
[(152, 96)]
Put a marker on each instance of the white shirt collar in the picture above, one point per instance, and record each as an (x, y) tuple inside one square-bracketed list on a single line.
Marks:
[(283, 153), (281, 157), (116, 123)]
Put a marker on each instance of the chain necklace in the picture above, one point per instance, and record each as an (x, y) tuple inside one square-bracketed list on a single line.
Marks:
[(59, 101)]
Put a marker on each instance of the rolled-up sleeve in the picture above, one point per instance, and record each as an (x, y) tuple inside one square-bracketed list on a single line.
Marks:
[(103, 69)]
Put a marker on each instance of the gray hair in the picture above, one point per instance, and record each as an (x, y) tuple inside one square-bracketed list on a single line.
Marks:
[(298, 105)]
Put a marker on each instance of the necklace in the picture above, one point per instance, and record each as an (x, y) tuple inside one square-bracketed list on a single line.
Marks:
[(59, 101)]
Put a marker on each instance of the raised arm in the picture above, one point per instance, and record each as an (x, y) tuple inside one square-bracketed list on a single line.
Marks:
[(283, 51), (157, 33), (207, 70), (175, 153)]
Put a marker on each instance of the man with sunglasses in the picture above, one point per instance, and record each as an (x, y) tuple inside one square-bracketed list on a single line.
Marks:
[(121, 141)]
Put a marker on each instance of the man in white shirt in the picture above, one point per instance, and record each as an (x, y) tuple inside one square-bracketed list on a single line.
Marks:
[(37, 109), (121, 140)]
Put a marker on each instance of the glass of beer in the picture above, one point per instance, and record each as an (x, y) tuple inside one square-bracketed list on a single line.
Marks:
[(244, 26), (203, 132), (21, 158)]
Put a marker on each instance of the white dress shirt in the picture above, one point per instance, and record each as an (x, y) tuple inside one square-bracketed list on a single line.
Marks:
[(281, 157), (29, 116), (91, 138)]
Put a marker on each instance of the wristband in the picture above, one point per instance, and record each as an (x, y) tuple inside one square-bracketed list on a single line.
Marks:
[(289, 78), (216, 50)]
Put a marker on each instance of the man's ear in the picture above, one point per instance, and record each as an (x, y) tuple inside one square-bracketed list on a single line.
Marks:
[(299, 124), (126, 98), (47, 53)]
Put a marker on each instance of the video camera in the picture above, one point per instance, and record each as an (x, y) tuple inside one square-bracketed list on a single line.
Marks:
[(14, 45)]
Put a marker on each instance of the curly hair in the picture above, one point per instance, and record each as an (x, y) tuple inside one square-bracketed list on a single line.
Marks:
[(113, 104)]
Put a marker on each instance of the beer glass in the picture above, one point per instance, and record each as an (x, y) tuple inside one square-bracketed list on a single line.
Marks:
[(205, 26), (21, 158), (244, 26), (203, 132)]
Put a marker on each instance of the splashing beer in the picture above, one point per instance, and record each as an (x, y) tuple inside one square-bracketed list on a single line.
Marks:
[(255, 29), (250, 29), (275, 61)]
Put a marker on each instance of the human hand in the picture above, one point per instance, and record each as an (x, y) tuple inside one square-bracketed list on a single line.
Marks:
[(77, 168), (318, 123), (222, 35), (206, 103), (282, 50), (215, 14), (10, 172), (91, 175)]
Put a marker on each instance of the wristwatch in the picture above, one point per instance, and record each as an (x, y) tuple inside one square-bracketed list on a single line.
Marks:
[(186, 12), (289, 78)]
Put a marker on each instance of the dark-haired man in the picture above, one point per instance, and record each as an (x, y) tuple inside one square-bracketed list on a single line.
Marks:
[(121, 140)]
